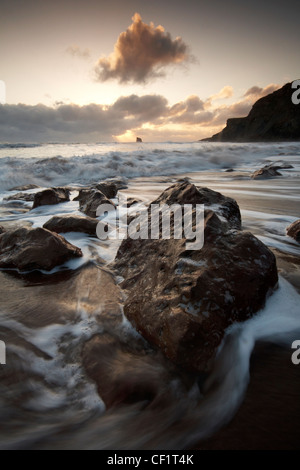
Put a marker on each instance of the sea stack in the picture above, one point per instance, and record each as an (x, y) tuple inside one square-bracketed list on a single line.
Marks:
[(138, 139)]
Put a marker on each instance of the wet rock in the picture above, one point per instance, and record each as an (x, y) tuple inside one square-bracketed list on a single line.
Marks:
[(267, 171), (74, 223), (21, 197), (182, 300), (186, 193), (28, 249), (2, 229), (270, 171), (131, 201), (90, 200), (293, 230), (129, 373), (51, 196), (24, 187), (109, 189)]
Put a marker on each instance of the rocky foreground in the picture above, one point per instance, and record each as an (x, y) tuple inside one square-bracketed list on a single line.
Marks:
[(182, 300)]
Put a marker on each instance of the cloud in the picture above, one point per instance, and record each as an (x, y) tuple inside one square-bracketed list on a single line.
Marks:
[(76, 51), (141, 53), (226, 92), (257, 92), (148, 116)]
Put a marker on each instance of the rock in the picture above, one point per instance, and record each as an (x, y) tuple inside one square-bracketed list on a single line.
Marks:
[(293, 230), (138, 139), (229, 170), (28, 249), (272, 118), (266, 172), (2, 229), (131, 201), (20, 196), (186, 193), (182, 300), (129, 372), (270, 171), (24, 187), (73, 223), (51, 196), (90, 200), (109, 189)]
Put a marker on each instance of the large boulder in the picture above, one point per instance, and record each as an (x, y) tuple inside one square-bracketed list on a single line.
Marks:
[(293, 230), (182, 300), (28, 249), (90, 200), (51, 196), (72, 223)]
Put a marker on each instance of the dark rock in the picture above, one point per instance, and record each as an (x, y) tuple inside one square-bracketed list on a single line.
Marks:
[(131, 201), (20, 196), (25, 187), (272, 118), (128, 372), (229, 170), (109, 189), (183, 300), (266, 172), (270, 171), (73, 223), (51, 196), (2, 229), (90, 200), (28, 249), (293, 230), (138, 139), (186, 193)]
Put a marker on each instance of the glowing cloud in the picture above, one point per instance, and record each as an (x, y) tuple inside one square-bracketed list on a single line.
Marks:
[(141, 53), (257, 92)]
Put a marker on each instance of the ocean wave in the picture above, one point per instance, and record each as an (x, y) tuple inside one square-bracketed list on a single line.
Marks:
[(58, 164)]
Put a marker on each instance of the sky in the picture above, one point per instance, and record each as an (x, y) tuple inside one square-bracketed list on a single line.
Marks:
[(94, 70)]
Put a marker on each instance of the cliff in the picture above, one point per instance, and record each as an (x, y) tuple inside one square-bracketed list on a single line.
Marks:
[(272, 118)]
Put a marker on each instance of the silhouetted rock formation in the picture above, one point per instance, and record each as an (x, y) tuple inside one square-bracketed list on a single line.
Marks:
[(138, 139), (272, 118)]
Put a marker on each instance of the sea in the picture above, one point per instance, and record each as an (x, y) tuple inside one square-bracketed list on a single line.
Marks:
[(47, 400)]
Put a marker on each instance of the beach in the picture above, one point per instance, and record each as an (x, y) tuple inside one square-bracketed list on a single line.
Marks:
[(53, 322)]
